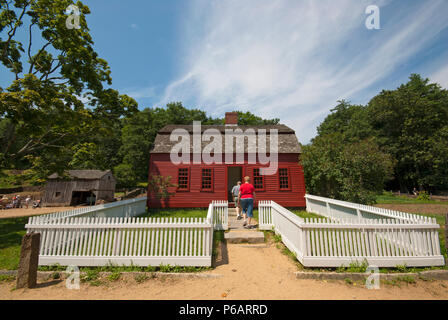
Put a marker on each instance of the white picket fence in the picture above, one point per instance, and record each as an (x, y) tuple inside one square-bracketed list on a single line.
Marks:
[(127, 208), (332, 208), (338, 242), (220, 212), (126, 240)]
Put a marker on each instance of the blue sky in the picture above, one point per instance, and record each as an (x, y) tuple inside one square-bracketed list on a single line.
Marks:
[(291, 59)]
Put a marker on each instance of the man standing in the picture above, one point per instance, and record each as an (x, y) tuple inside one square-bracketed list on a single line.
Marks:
[(247, 197), (235, 192)]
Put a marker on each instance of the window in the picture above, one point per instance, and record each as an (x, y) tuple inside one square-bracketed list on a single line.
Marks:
[(57, 194), (207, 179), (283, 176), (183, 179), (258, 179)]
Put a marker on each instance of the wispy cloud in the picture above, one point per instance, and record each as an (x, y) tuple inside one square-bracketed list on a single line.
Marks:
[(441, 76), (135, 26), (140, 93), (294, 59)]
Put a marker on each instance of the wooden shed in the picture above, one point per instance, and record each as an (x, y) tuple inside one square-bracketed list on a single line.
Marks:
[(197, 184), (79, 187)]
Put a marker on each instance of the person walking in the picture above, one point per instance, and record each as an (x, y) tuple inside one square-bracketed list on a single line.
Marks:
[(28, 201), (235, 193), (247, 197)]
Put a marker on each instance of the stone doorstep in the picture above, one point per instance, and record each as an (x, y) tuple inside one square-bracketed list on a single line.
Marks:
[(427, 275), (47, 275), (244, 236)]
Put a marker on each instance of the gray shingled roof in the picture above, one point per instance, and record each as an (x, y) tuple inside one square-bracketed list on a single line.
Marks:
[(287, 140), (82, 174)]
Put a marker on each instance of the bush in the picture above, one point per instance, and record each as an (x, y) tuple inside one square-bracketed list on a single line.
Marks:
[(423, 195)]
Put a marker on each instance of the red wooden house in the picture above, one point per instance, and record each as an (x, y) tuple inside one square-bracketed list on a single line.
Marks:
[(197, 184)]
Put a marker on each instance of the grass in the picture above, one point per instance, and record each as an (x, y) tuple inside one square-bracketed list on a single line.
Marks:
[(114, 276), (304, 214), (92, 272), (6, 278), (11, 233), (388, 198), (354, 267), (399, 280), (175, 213), (140, 278)]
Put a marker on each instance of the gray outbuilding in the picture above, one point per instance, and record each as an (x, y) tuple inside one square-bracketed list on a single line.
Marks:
[(79, 187)]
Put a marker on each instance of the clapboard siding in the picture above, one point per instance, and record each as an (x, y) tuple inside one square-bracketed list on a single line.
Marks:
[(59, 192), (160, 164)]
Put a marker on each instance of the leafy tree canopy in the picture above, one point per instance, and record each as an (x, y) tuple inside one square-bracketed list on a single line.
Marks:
[(406, 128)]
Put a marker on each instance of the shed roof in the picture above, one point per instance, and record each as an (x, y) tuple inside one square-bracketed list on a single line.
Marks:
[(82, 174), (287, 140)]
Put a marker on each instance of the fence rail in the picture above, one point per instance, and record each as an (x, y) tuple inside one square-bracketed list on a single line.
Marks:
[(127, 208), (332, 208), (333, 242), (220, 211), (120, 239)]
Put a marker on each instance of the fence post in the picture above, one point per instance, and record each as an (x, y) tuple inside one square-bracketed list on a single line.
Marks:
[(29, 260), (446, 235)]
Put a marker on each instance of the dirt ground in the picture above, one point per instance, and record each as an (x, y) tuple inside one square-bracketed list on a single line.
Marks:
[(247, 272), (23, 212), (417, 208)]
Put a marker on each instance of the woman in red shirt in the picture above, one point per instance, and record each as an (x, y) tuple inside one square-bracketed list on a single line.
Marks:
[(247, 197)]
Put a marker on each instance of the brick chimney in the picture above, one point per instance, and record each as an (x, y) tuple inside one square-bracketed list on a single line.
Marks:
[(231, 118)]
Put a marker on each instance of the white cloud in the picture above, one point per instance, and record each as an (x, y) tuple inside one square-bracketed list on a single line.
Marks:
[(135, 26), (441, 76), (293, 59), (139, 93)]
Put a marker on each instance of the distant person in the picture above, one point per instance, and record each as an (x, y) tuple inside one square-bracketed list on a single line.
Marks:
[(415, 192), (235, 193), (16, 201), (3, 202), (36, 204), (247, 197), (27, 201)]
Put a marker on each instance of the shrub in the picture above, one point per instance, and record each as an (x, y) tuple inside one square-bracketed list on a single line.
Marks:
[(423, 195)]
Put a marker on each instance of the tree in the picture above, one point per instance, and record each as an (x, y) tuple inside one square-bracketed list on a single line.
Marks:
[(409, 123), (125, 176), (347, 171), (43, 105), (248, 118), (349, 120)]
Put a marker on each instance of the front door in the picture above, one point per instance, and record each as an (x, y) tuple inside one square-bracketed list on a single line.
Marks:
[(234, 174)]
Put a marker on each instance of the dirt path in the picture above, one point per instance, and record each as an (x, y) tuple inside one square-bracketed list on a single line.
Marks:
[(23, 212), (252, 272)]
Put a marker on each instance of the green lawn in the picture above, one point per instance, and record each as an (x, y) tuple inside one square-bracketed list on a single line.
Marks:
[(176, 213), (394, 199), (11, 233), (304, 214)]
